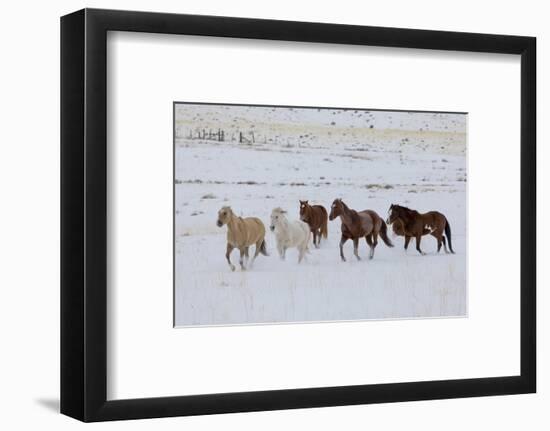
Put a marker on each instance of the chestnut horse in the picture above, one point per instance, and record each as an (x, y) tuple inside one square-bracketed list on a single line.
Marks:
[(410, 223), (358, 224), (316, 217)]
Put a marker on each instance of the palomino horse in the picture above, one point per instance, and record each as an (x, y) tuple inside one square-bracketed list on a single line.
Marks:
[(412, 224), (289, 234), (242, 233), (358, 224), (316, 217)]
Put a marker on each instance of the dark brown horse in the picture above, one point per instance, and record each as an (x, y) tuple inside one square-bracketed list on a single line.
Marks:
[(317, 219), (412, 224), (358, 224), (399, 229)]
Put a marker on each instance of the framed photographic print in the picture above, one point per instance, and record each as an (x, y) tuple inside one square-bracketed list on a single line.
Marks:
[(262, 215)]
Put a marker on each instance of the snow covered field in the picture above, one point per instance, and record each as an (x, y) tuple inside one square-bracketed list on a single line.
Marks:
[(271, 157)]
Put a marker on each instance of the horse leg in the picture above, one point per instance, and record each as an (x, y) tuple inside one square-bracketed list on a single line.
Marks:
[(418, 237), (343, 240), (302, 251), (438, 238), (227, 254), (368, 238), (304, 248), (374, 243), (257, 251), (356, 248), (315, 238), (246, 257), (280, 249), (241, 258), (407, 240)]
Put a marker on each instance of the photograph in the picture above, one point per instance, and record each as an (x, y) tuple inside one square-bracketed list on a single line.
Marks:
[(311, 214)]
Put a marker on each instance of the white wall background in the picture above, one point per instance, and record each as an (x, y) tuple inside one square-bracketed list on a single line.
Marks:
[(29, 219)]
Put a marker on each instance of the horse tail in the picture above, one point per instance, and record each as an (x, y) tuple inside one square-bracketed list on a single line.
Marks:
[(384, 234), (448, 234), (263, 249), (324, 225)]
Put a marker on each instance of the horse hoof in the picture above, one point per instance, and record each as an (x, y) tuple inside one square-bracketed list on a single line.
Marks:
[(232, 267)]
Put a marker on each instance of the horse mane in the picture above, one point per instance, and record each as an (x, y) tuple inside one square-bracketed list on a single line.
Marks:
[(230, 210), (353, 214), (408, 211)]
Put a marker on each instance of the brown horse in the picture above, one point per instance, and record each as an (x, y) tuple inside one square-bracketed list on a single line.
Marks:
[(412, 224), (358, 224), (316, 217), (399, 229), (242, 233)]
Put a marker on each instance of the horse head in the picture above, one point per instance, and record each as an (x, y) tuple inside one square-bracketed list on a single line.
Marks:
[(224, 215), (304, 210), (336, 209), (277, 216), (395, 212)]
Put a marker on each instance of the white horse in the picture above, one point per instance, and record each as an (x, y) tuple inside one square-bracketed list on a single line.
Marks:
[(289, 234)]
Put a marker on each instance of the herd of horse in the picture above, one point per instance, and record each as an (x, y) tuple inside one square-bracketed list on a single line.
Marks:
[(313, 222)]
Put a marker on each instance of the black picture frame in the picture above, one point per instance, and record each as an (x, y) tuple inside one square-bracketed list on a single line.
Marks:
[(84, 214)]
